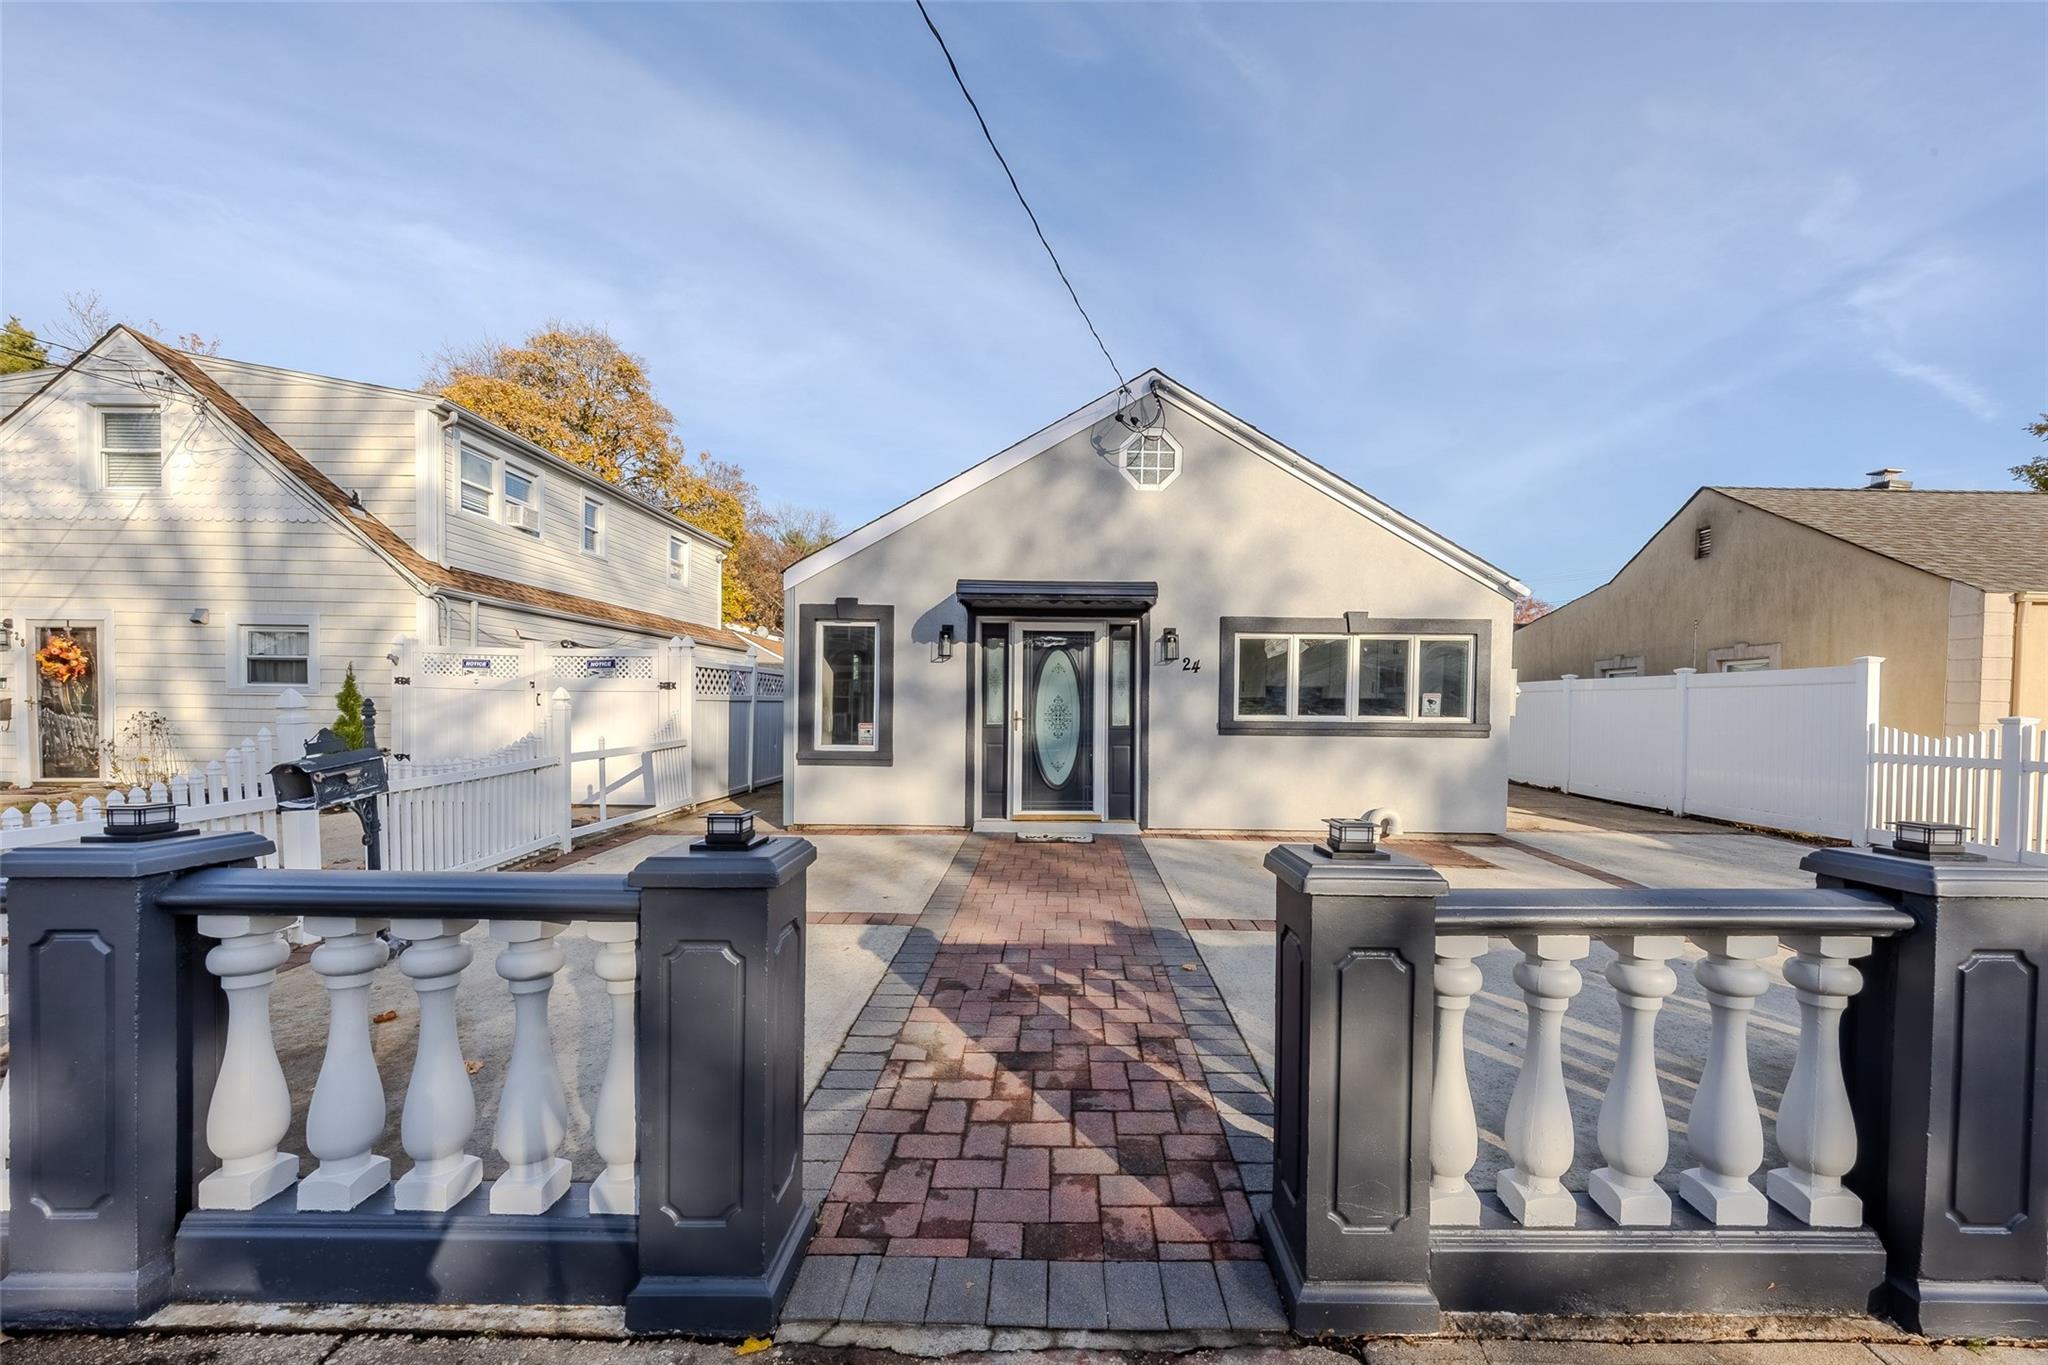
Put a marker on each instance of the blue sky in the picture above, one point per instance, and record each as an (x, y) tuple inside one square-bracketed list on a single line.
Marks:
[(1530, 273)]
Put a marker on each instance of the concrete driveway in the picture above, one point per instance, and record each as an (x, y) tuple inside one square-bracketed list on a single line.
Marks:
[(1552, 841)]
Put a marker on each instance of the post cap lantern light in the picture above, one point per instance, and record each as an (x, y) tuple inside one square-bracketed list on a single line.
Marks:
[(727, 831), (1353, 838), (1928, 839), (143, 820)]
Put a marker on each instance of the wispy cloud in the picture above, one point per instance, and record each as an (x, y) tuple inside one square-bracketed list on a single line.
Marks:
[(1926, 286)]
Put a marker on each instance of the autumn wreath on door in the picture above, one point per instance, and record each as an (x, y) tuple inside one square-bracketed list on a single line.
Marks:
[(63, 660)]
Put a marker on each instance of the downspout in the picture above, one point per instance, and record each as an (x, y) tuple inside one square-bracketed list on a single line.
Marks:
[(2020, 603)]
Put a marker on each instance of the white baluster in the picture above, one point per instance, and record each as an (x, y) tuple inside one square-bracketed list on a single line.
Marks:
[(533, 1109), (440, 1106), (1453, 1128), (347, 1114), (1539, 1127), (1635, 1138), (1726, 1130), (617, 1190), (441, 1110), (1816, 1128), (252, 1106)]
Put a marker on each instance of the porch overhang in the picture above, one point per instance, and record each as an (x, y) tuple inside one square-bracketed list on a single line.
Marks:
[(990, 596)]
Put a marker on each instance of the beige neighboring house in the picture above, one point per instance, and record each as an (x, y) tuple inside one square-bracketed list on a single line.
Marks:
[(1950, 588), (214, 531)]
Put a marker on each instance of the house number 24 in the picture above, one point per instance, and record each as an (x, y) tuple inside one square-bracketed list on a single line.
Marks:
[(1191, 665)]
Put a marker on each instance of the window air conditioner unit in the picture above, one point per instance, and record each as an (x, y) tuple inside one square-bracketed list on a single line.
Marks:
[(522, 516)]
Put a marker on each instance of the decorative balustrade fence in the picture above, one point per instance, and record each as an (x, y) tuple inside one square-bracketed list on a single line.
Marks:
[(1909, 1128), (150, 1109), (152, 1119)]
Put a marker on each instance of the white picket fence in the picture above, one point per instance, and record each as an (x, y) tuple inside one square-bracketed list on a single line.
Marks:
[(1994, 783), (473, 814), (1795, 749), (232, 793)]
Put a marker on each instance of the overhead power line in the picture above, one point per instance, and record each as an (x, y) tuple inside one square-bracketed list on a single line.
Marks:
[(1122, 384)]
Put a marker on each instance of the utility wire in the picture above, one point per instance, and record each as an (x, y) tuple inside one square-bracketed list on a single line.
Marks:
[(1122, 384)]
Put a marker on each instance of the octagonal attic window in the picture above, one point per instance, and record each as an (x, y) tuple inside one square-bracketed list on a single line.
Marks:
[(1150, 459)]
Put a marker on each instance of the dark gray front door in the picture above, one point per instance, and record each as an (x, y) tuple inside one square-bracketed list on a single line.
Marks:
[(1058, 721)]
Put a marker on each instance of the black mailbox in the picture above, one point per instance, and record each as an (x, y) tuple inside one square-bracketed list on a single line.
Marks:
[(332, 774)]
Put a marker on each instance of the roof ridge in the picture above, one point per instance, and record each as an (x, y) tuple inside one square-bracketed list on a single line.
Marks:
[(402, 552)]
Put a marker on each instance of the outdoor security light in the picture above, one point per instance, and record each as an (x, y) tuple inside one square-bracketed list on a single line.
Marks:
[(729, 830), (151, 820), (1927, 839), (1169, 644), (1354, 838), (945, 643)]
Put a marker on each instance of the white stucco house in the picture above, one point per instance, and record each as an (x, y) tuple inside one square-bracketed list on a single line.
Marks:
[(1149, 614), (210, 532)]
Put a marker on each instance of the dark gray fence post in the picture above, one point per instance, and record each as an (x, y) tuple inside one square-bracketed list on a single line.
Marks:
[(723, 1218), (103, 1027), (1348, 1230), (1947, 1057)]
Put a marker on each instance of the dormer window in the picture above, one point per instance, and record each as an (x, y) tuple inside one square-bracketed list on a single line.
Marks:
[(593, 527), (1150, 459), (132, 447), (678, 562)]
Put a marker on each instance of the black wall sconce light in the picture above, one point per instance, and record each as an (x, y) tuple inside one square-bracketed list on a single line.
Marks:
[(1169, 644), (945, 643)]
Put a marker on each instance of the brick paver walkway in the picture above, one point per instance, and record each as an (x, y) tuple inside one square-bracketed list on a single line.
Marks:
[(1044, 1099)]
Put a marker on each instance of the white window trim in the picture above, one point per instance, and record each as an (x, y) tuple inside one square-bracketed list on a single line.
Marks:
[(490, 487), (1415, 679), (586, 530), (538, 500), (1293, 711), (678, 563), (99, 433), (1352, 653), (1130, 443), (818, 740), (1410, 703), (237, 661)]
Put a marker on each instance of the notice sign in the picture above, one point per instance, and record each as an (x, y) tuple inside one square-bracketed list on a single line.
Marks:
[(1432, 703), (471, 665), (601, 665), (864, 733)]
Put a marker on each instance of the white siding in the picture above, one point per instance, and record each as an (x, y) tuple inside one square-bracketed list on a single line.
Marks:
[(361, 437), (633, 571), (225, 532)]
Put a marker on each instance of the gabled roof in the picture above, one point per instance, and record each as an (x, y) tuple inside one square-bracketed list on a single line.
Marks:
[(1997, 541), (1156, 382), (395, 548)]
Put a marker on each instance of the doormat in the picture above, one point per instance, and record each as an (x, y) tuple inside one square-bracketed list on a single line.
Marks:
[(1055, 838)]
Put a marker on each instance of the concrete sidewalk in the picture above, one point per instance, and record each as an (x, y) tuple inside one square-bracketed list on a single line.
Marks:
[(390, 1348)]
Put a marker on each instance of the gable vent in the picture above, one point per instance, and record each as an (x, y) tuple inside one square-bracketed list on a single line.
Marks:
[(1703, 542)]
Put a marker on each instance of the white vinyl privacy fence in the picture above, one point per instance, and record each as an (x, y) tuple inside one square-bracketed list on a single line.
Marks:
[(1795, 749)]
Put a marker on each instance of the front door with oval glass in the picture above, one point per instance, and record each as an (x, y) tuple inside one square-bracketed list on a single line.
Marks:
[(1057, 721)]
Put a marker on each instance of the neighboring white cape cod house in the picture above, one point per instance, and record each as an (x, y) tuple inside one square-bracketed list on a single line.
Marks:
[(213, 531), (1152, 615)]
